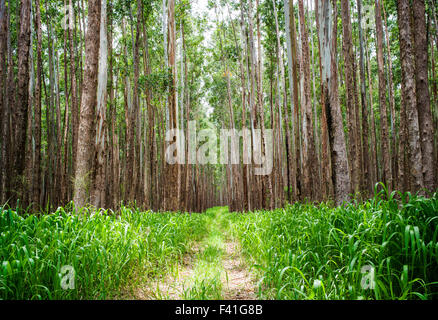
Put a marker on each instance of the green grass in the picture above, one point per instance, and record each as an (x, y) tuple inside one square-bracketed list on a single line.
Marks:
[(303, 251), (107, 251), (318, 252), (206, 282)]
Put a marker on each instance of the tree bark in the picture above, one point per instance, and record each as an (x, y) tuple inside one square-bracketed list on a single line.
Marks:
[(21, 107), (171, 191), (384, 132), (88, 103), (293, 83), (98, 190), (310, 169), (4, 108), (352, 109), (367, 170), (423, 97), (409, 96), (338, 152)]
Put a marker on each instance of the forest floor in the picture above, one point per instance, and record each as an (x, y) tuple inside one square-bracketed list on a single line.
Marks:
[(213, 269)]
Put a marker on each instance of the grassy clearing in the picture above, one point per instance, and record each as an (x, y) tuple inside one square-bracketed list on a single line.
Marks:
[(318, 252), (107, 251)]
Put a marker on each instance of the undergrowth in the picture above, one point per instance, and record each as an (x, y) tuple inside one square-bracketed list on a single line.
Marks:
[(381, 249), (105, 250)]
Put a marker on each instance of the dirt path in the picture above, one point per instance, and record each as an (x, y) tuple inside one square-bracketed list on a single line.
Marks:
[(213, 269), (239, 283)]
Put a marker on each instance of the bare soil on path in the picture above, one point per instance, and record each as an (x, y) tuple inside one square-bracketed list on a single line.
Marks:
[(227, 271), (239, 283)]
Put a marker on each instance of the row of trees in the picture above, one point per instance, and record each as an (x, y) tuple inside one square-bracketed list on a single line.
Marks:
[(88, 91)]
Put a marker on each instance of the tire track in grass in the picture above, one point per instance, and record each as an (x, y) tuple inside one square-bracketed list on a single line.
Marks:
[(213, 269), (170, 286), (224, 276), (239, 282)]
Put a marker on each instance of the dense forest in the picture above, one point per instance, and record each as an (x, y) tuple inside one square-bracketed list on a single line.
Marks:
[(349, 90), (108, 105)]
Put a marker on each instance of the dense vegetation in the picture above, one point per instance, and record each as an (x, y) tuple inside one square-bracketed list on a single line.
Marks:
[(115, 123), (303, 251), (348, 89), (318, 252), (107, 251)]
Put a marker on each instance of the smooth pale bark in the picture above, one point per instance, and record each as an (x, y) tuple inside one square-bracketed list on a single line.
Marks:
[(409, 97), (88, 105), (327, 181), (423, 98), (98, 191)]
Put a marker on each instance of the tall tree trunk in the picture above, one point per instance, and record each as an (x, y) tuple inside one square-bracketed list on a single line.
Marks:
[(136, 119), (384, 132), (282, 92), (368, 171), (64, 163), (4, 108), (409, 96), (293, 83), (243, 60), (37, 110), (21, 107), (171, 191), (374, 163), (73, 85), (265, 181), (310, 170), (423, 98), (98, 190), (88, 103), (352, 109), (391, 99), (151, 125), (327, 180), (338, 152)]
